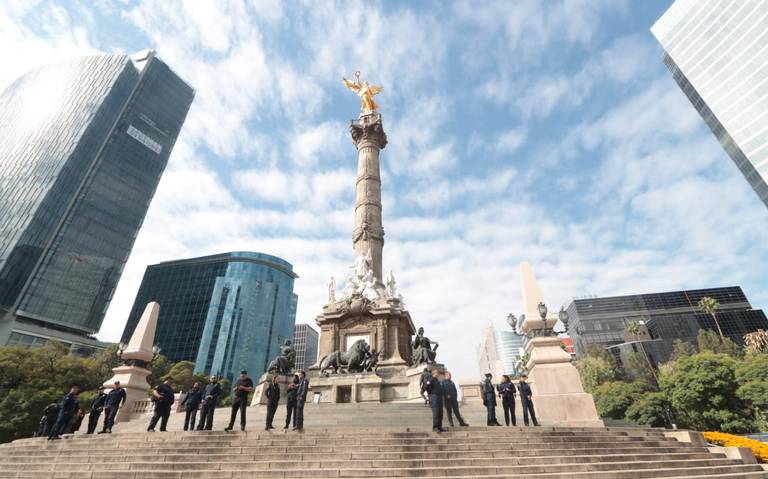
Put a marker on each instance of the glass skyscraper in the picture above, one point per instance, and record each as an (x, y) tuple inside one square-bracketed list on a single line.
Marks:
[(226, 312), (667, 316), (718, 54), (83, 144), (305, 341)]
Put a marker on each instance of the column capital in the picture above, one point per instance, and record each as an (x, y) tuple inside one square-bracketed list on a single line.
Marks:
[(368, 129)]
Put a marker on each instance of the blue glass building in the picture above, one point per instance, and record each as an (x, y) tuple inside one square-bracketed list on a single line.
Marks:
[(83, 144), (225, 312)]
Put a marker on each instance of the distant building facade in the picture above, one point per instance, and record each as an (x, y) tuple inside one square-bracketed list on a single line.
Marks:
[(83, 144), (718, 55), (226, 312), (664, 317), (305, 341), (498, 351)]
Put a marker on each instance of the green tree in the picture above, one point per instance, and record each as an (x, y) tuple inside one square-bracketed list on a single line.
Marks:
[(613, 398), (158, 370), (183, 374), (594, 371), (638, 369), (710, 342), (682, 349), (710, 306), (21, 410), (702, 390), (752, 376), (650, 409)]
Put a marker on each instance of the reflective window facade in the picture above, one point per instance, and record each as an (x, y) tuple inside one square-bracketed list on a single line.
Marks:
[(226, 312), (509, 347), (668, 316), (718, 54), (305, 341), (75, 184)]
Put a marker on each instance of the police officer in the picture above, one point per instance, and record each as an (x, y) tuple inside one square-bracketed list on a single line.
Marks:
[(210, 397), (293, 389), (301, 398), (163, 396), (191, 402), (67, 410), (273, 398), (50, 413), (115, 400), (526, 399), (506, 392), (94, 412), (489, 400), (243, 387), (451, 400), (435, 392)]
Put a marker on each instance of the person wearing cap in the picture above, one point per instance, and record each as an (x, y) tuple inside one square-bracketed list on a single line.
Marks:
[(210, 398), (114, 401), (434, 389), (526, 399), (243, 387), (163, 397), (489, 400), (94, 412), (506, 390)]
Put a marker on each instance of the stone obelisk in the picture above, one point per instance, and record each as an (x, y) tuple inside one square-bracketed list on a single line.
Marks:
[(368, 236)]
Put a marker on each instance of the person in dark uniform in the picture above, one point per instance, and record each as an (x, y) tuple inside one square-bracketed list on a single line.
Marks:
[(290, 406), (526, 400), (163, 396), (451, 400), (273, 398), (435, 392), (76, 422), (94, 412), (210, 397), (301, 398), (506, 392), (114, 401), (191, 402), (425, 376), (67, 410), (243, 387), (50, 413), (489, 400)]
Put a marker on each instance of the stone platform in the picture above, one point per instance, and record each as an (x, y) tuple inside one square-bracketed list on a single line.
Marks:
[(372, 450)]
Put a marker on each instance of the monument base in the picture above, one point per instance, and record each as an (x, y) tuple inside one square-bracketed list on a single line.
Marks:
[(134, 380), (558, 395), (389, 385), (259, 390)]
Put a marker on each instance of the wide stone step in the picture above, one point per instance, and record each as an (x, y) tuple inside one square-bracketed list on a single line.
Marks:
[(550, 455), (295, 449), (619, 470)]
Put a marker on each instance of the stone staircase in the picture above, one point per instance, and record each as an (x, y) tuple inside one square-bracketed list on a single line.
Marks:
[(353, 441)]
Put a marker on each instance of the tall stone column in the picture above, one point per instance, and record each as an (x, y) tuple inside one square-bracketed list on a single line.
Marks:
[(368, 236)]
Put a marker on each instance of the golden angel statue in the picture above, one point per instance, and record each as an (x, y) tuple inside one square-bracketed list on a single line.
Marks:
[(365, 92)]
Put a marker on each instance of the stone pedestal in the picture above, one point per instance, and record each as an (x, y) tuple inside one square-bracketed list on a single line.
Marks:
[(259, 396), (136, 357), (558, 394), (414, 378), (384, 324)]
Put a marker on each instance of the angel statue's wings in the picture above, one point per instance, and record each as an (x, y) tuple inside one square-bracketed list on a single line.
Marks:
[(355, 87), (375, 89)]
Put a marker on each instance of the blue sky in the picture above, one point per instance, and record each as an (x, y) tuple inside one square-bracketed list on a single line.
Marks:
[(519, 130)]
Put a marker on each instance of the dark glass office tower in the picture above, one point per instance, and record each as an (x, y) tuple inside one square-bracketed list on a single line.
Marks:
[(83, 144), (667, 316), (225, 312)]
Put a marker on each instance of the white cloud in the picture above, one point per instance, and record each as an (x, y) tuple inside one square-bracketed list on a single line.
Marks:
[(509, 141)]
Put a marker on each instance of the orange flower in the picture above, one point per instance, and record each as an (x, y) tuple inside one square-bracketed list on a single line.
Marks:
[(759, 449)]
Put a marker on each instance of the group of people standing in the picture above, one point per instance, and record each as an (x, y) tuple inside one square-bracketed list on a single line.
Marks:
[(506, 391), (59, 417), (441, 394)]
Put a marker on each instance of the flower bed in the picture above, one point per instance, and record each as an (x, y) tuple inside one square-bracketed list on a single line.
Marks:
[(759, 449)]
